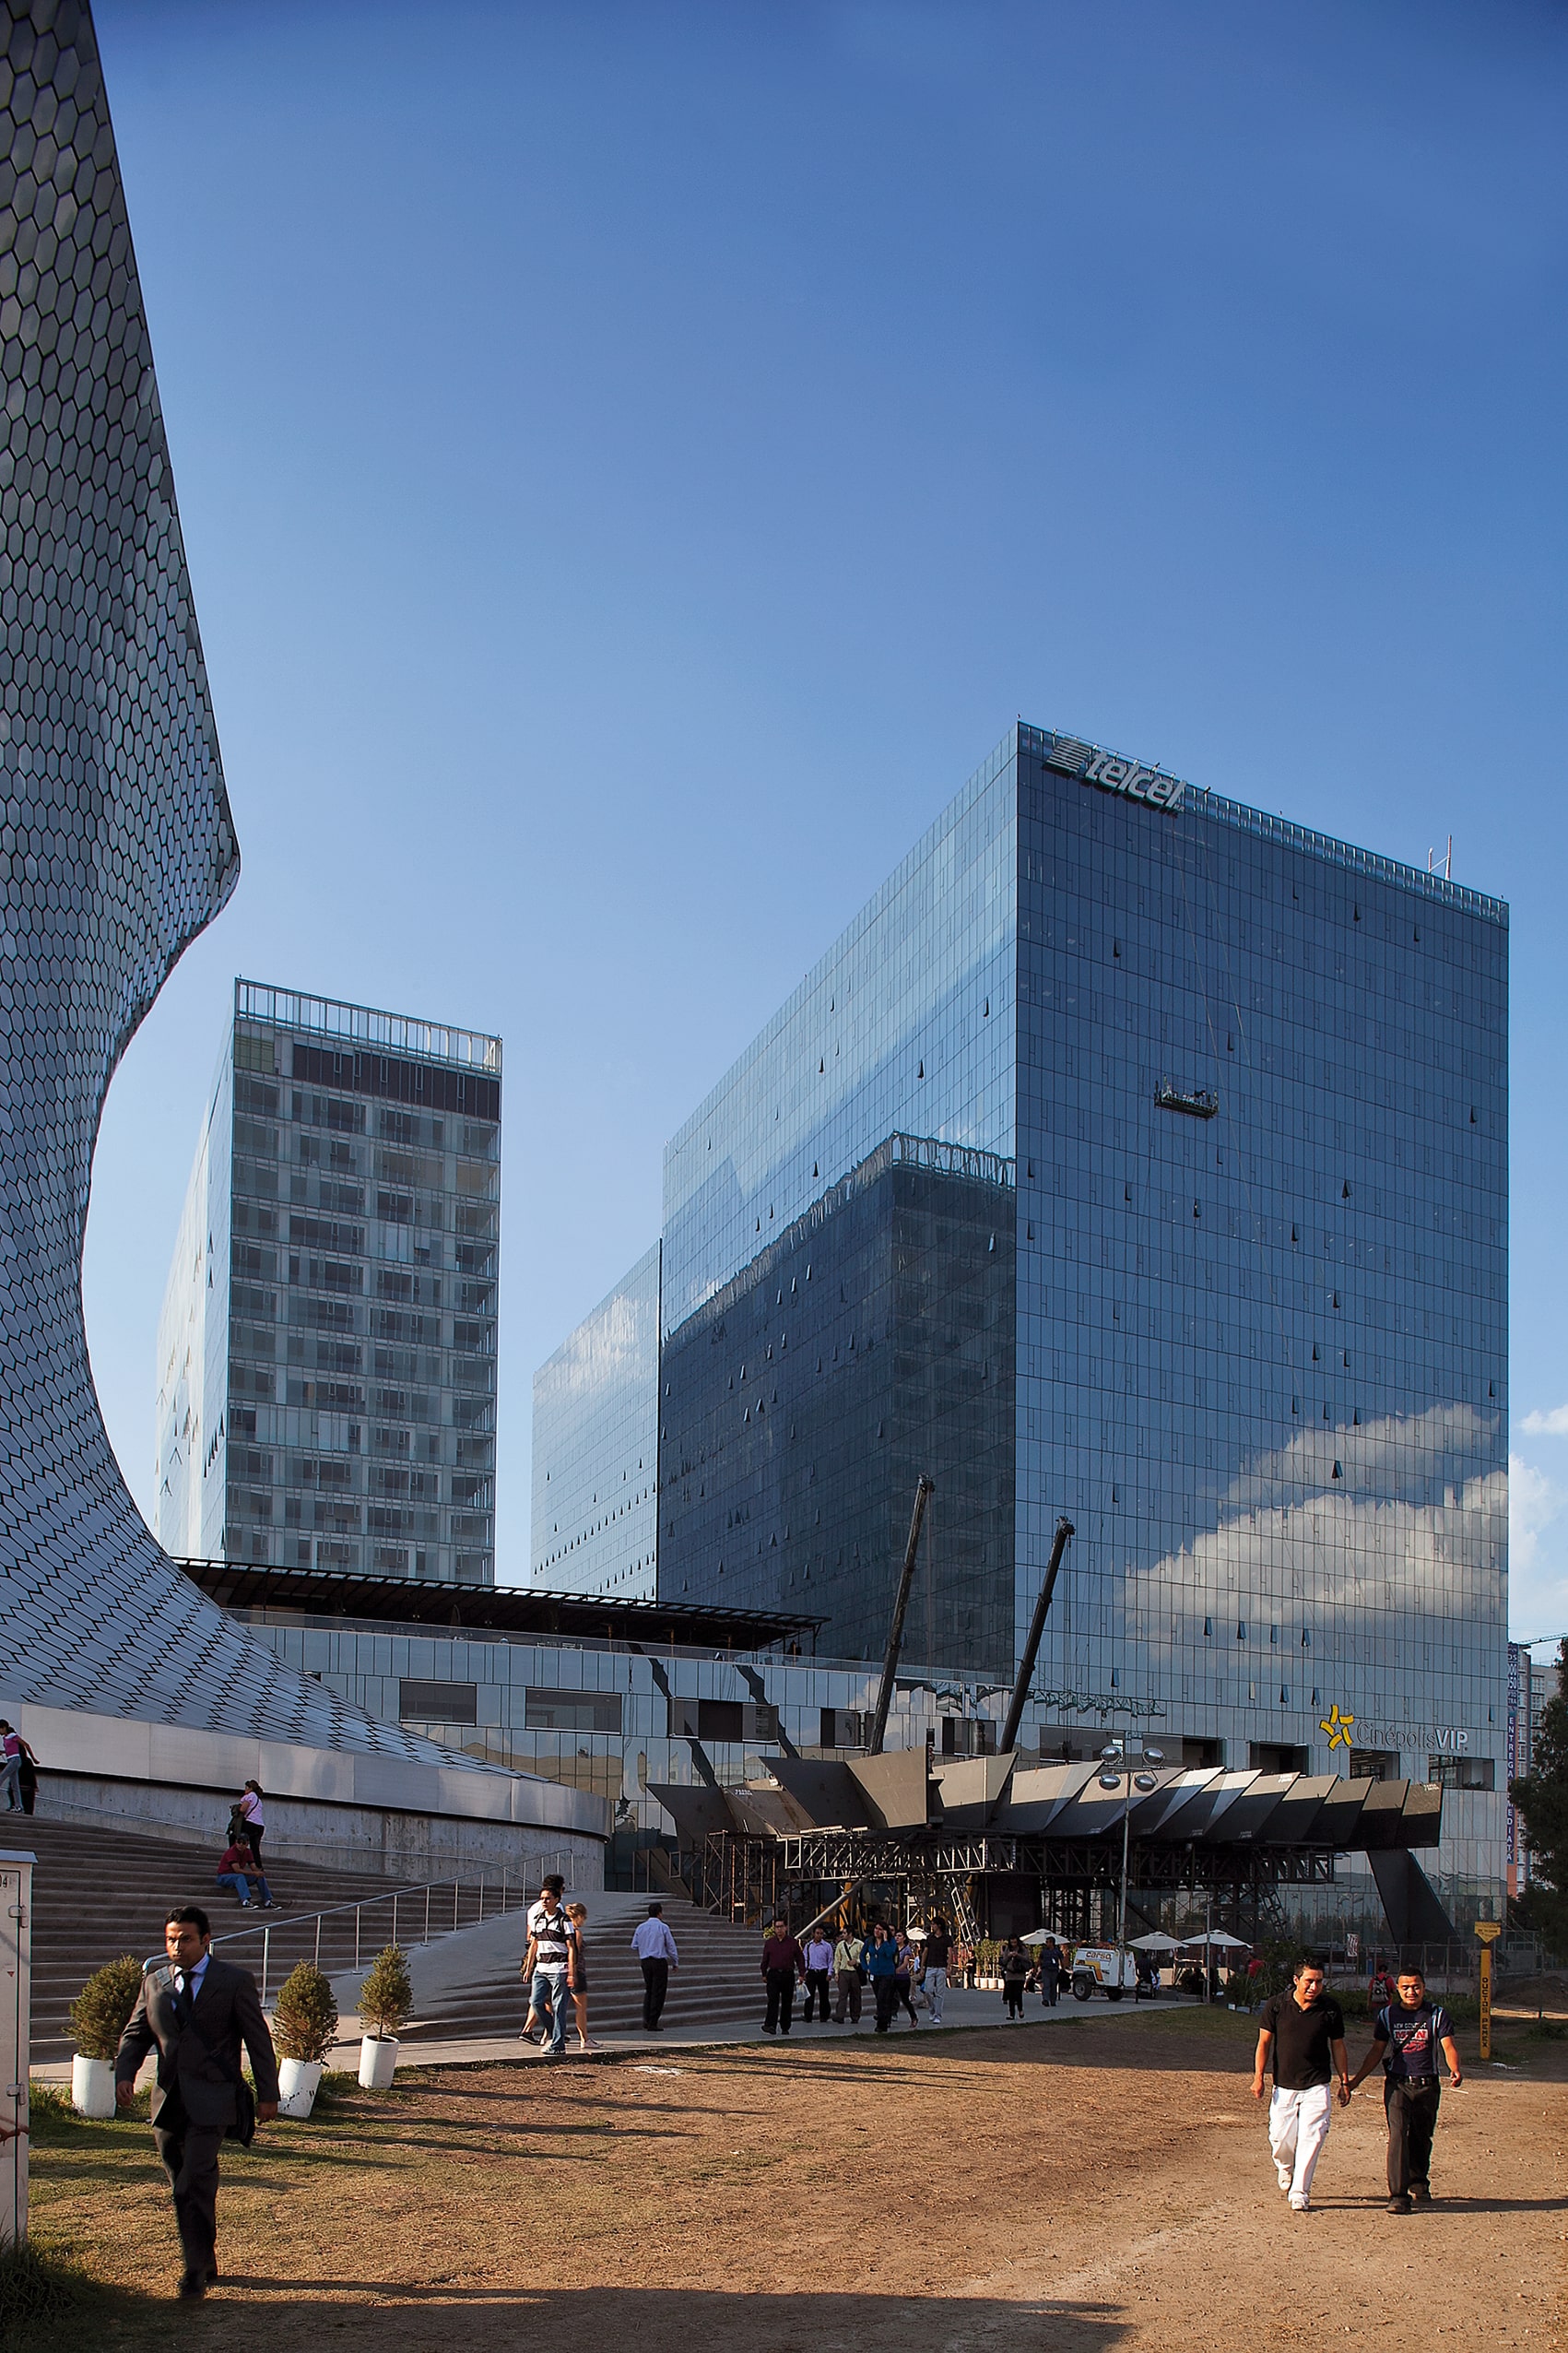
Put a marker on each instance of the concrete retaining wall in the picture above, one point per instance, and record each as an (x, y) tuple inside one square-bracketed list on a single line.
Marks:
[(413, 1823)]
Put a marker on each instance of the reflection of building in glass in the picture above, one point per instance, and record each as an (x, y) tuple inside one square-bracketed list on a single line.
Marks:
[(595, 1447), (326, 1359), (1249, 1083), (872, 1340)]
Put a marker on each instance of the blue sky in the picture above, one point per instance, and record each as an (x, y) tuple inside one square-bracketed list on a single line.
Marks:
[(635, 461)]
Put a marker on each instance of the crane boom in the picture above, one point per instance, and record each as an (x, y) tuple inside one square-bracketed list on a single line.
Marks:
[(923, 1491), (1066, 1531)]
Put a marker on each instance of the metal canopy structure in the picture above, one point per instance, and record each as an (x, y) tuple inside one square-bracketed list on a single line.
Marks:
[(951, 1836), (438, 1605)]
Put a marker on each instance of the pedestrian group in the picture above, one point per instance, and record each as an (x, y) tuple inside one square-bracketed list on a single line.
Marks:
[(1301, 2040)]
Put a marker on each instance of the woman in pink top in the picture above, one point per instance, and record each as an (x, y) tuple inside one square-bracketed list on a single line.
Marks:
[(250, 1805)]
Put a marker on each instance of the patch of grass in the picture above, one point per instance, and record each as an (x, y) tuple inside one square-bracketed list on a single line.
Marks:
[(1547, 2030), (42, 2300), (53, 2122)]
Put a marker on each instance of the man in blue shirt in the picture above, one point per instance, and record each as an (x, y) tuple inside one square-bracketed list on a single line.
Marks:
[(1406, 2038)]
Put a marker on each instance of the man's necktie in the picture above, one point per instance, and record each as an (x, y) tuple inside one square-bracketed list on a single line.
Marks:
[(183, 2000)]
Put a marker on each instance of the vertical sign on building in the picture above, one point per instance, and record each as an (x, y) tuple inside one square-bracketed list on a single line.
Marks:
[(16, 2030), (1512, 1771)]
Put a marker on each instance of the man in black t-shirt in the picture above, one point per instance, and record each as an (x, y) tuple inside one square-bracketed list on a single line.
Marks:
[(1406, 2037), (1303, 2032)]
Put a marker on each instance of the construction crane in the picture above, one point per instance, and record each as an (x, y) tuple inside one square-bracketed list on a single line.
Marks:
[(1066, 1531), (923, 1493)]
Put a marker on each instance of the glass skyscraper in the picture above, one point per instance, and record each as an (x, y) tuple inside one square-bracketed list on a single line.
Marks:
[(597, 1447), (1207, 1118), (327, 1348)]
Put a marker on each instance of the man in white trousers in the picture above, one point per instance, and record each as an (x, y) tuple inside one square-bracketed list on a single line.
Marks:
[(1304, 2033)]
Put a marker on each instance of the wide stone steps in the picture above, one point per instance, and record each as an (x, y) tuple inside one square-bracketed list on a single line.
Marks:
[(470, 1985), (100, 1893)]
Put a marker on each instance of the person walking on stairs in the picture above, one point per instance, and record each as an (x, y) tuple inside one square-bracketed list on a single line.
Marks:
[(654, 1948), (198, 2012)]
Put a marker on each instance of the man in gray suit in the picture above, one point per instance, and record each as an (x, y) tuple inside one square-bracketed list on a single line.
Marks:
[(198, 2010)]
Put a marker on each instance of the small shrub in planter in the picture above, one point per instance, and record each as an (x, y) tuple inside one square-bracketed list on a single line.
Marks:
[(386, 1998), (304, 2026), (99, 2016), (304, 2023)]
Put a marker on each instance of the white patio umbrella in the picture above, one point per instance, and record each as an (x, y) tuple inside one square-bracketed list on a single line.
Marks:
[(1154, 1944), (1220, 1936)]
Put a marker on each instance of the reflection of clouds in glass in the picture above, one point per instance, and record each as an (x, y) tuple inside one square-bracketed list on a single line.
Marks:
[(1352, 1548), (613, 1345), (1348, 1553), (1408, 1456)]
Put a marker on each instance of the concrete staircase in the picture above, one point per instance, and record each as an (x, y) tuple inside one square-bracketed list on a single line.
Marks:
[(468, 1984), (100, 1893)]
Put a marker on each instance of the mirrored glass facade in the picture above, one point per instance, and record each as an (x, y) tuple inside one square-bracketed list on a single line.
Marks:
[(327, 1352), (1247, 1086), (871, 1342), (595, 1447)]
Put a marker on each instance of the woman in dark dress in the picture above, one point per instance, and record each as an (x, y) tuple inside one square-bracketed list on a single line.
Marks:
[(1015, 1975), (577, 1976)]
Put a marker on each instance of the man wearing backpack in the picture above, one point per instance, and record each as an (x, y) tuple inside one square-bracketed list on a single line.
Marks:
[(546, 1963), (849, 1953), (1406, 2038)]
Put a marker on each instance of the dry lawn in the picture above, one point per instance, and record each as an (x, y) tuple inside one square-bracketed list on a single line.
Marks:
[(1073, 2189)]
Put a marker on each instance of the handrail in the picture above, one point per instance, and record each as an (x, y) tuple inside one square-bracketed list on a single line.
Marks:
[(514, 1896)]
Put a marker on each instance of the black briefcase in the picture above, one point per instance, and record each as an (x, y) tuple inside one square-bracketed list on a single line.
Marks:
[(243, 2128)]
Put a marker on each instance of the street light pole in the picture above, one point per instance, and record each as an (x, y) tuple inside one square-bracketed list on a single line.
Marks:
[(1121, 1910), (1119, 1764)]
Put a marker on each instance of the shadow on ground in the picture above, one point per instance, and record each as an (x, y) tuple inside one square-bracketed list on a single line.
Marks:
[(413, 2316)]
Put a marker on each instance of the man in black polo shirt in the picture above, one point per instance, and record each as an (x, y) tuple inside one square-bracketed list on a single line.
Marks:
[(1406, 2037), (1305, 2032)]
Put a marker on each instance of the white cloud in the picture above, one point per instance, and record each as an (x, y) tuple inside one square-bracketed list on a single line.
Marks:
[(1538, 1551), (1547, 1426)]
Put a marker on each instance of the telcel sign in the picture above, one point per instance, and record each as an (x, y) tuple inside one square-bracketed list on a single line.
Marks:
[(1113, 773)]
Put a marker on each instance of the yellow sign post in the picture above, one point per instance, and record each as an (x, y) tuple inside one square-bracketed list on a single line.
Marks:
[(1488, 1931)]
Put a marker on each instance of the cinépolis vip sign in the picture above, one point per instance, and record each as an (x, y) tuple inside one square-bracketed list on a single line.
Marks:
[(1113, 773)]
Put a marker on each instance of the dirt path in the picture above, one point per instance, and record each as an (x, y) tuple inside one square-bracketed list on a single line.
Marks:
[(1099, 2190)]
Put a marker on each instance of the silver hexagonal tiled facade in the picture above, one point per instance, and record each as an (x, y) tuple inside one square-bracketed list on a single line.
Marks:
[(116, 848)]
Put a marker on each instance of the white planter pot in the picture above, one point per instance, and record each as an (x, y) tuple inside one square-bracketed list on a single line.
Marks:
[(92, 2087), (297, 2083), (378, 2061)]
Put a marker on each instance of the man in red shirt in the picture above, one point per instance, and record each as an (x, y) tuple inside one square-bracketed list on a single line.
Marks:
[(783, 1964)]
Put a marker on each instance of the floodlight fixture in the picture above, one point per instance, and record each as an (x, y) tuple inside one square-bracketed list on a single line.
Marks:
[(1110, 1780), (1145, 1781)]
